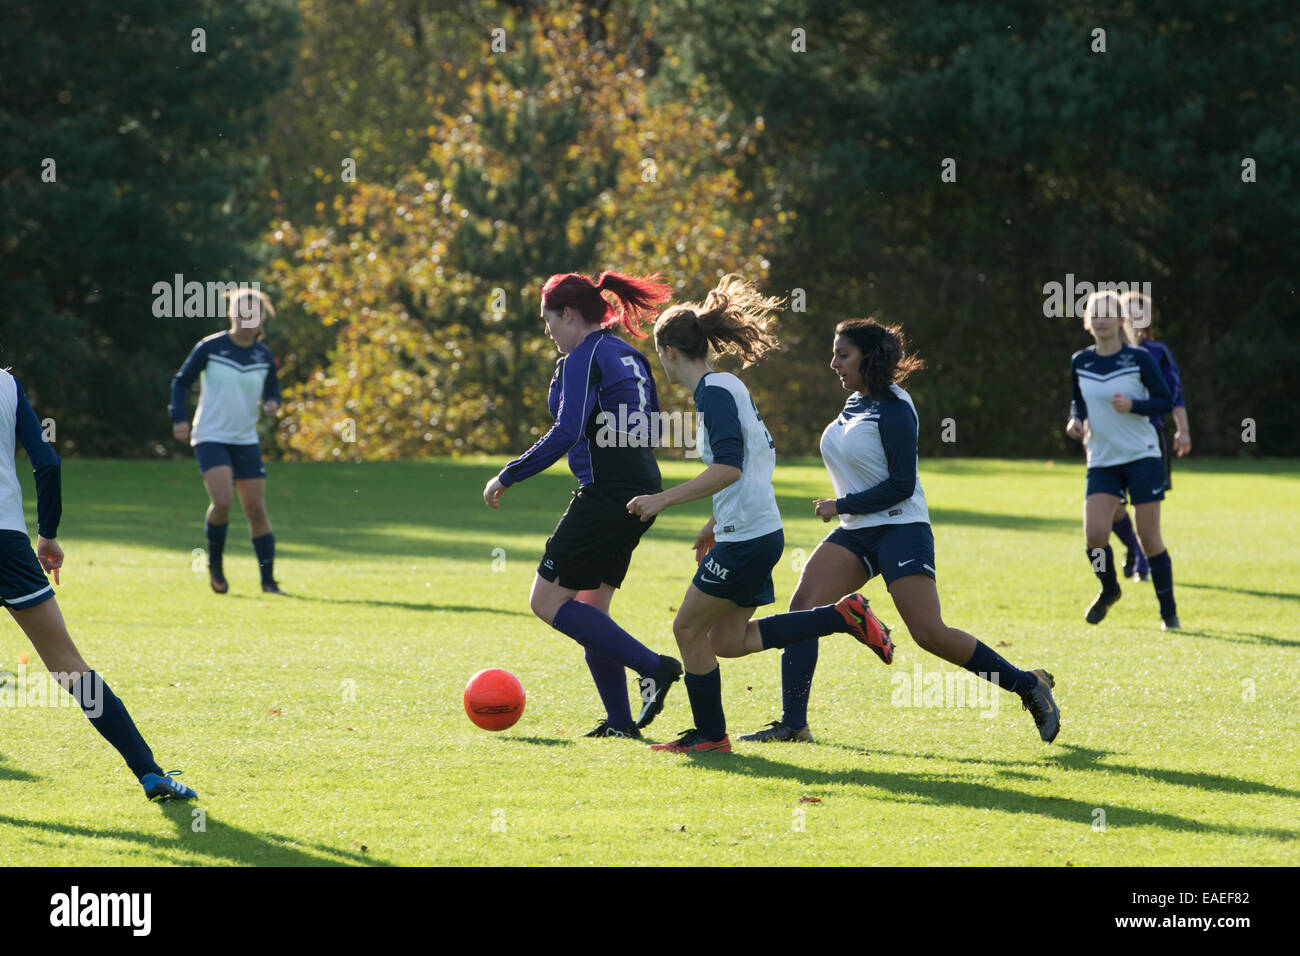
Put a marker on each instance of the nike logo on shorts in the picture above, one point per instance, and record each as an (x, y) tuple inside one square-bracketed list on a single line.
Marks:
[(709, 580), (908, 561)]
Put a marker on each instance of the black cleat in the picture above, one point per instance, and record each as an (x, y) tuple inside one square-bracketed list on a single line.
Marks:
[(655, 687), (779, 731), (1042, 706), (271, 587), (605, 729), (1130, 562), (1101, 604), (217, 578), (1170, 623)]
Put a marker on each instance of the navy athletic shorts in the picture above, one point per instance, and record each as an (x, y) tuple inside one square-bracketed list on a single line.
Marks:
[(1144, 480), (244, 460), (891, 550), (594, 541), (741, 571), (22, 582)]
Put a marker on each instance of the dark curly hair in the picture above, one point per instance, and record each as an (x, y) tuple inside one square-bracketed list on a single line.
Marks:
[(885, 360)]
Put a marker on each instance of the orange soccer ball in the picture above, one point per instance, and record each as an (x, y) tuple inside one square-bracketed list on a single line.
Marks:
[(494, 699)]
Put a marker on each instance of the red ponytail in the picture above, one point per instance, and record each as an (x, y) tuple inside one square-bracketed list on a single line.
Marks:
[(637, 297)]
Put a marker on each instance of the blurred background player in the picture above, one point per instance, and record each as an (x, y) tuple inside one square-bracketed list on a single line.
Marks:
[(237, 371), (588, 554), (1139, 321), (1117, 389), (870, 453), (29, 597)]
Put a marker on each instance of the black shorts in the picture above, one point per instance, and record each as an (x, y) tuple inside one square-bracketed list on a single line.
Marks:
[(593, 543), (891, 550)]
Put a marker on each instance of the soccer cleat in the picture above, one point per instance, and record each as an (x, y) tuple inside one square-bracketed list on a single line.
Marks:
[(1130, 562), (605, 729), (1101, 604), (1041, 705), (217, 578), (690, 742), (865, 626), (162, 787), (777, 730), (655, 687), (1170, 623), (271, 587)]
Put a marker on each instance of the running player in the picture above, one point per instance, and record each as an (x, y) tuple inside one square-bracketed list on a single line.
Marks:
[(1138, 319), (237, 371), (1117, 388), (599, 381), (870, 453), (29, 597)]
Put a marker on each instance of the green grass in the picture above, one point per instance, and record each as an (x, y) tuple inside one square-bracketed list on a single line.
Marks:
[(395, 594)]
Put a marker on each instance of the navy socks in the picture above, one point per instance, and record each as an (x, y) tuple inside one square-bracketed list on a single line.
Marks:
[(1162, 576), (986, 662), (782, 630), (705, 692), (1106, 573), (596, 631), (611, 684), (216, 545), (108, 715), (798, 661), (265, 548), (1123, 529)]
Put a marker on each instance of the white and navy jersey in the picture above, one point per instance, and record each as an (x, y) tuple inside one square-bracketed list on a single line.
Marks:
[(731, 432), (19, 425), (1116, 438), (601, 386), (234, 379), (870, 453)]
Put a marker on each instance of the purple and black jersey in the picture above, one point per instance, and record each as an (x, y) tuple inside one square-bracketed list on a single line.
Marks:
[(1169, 369), (603, 399)]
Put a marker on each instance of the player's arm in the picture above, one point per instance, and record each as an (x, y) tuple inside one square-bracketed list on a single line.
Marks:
[(898, 435), (1160, 401), (577, 395), (727, 441), (181, 384), (47, 470), (271, 387), (1076, 426), (1174, 379)]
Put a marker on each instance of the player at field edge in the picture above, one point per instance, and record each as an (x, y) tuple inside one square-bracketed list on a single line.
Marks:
[(29, 597), (599, 380), (1139, 320), (1117, 388), (237, 371)]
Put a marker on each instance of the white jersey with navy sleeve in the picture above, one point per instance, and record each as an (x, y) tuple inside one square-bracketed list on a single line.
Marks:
[(1116, 438), (18, 424), (870, 454), (234, 379), (730, 432)]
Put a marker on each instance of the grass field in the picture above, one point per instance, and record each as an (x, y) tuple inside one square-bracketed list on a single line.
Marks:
[(1186, 745)]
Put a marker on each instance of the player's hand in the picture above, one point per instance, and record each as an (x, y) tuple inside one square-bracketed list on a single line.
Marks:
[(271, 407), (181, 431), (1074, 428), (646, 506), (50, 555), (1121, 403), (1182, 444), (704, 542), (492, 493), (825, 508)]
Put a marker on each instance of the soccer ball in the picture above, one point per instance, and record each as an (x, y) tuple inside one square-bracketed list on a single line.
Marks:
[(494, 699)]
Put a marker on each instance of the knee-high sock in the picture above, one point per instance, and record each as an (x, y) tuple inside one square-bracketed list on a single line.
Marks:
[(108, 715), (611, 685), (1162, 576), (216, 544), (782, 630), (986, 662), (265, 548), (1123, 529), (705, 692), (1106, 574), (596, 630), (798, 661)]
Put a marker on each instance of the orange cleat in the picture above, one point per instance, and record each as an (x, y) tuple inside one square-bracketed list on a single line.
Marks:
[(866, 627)]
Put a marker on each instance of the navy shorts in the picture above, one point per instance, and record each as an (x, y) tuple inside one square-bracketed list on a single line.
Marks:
[(22, 582), (594, 541), (741, 571), (1144, 480), (891, 550), (244, 460)]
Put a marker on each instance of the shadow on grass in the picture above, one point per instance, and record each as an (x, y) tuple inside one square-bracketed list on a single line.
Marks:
[(219, 843), (1219, 587), (13, 773), (1241, 637), (1007, 522), (545, 741), (941, 789), (403, 605)]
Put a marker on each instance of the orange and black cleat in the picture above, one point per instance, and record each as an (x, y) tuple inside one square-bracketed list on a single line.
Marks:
[(865, 626), (693, 742)]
